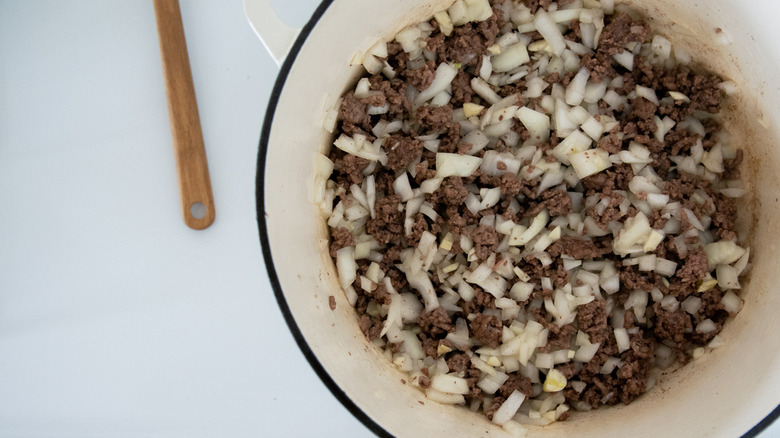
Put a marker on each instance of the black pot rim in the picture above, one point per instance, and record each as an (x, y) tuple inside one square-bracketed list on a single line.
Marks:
[(334, 388)]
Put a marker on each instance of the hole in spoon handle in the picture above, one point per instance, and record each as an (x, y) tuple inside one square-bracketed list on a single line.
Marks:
[(190, 153)]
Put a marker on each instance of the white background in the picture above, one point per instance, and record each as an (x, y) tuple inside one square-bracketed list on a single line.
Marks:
[(115, 318)]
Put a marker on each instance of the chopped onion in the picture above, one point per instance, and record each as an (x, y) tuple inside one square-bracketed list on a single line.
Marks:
[(534, 87), (595, 91), (538, 124), (614, 100), (402, 187), (574, 143), (626, 59), (491, 160), (706, 326), (670, 303), (640, 184), (691, 305), (478, 141), (510, 58), (609, 366), (490, 383), (647, 93), (728, 278), (346, 266), (445, 398), (456, 165), (450, 384), (635, 230), (445, 73), (521, 291), (575, 92), (550, 32), (590, 162), (623, 341), (586, 352), (483, 89), (445, 23), (742, 263), (509, 408), (521, 235), (723, 252), (713, 160), (593, 128), (731, 302), (665, 267)]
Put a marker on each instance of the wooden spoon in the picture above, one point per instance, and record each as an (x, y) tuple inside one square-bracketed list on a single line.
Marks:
[(197, 201)]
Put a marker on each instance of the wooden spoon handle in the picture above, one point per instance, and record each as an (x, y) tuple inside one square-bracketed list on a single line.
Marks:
[(197, 201)]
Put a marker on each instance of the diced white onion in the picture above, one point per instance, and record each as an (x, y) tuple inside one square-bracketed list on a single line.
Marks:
[(590, 162), (346, 266), (450, 384), (445, 73), (731, 302), (575, 92), (691, 304), (484, 90), (510, 58), (509, 408), (706, 326), (623, 341), (550, 32), (574, 143), (456, 165)]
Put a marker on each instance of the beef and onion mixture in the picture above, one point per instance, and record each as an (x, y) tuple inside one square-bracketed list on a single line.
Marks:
[(532, 206)]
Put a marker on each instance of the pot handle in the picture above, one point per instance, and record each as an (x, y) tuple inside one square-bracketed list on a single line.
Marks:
[(277, 37)]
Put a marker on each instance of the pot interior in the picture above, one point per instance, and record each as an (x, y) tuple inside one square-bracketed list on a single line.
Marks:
[(725, 393)]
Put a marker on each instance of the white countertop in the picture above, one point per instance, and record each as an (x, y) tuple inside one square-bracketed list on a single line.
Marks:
[(115, 318)]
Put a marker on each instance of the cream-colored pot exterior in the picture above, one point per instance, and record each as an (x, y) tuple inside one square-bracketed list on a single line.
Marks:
[(725, 394)]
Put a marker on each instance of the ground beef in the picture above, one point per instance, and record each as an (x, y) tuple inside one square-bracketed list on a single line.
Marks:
[(453, 192), (620, 31), (631, 278), (559, 337), (487, 329), (459, 362), (421, 78), (592, 320), (353, 111), (514, 383), (394, 92), (370, 326), (436, 118), (485, 239), (340, 238), (401, 151), (578, 248), (671, 325), (696, 266), (725, 217), (614, 178), (557, 202), (611, 213), (611, 143), (510, 184), (466, 41), (388, 227), (436, 322)]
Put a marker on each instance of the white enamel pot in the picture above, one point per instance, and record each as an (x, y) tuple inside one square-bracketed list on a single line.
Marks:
[(731, 392)]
